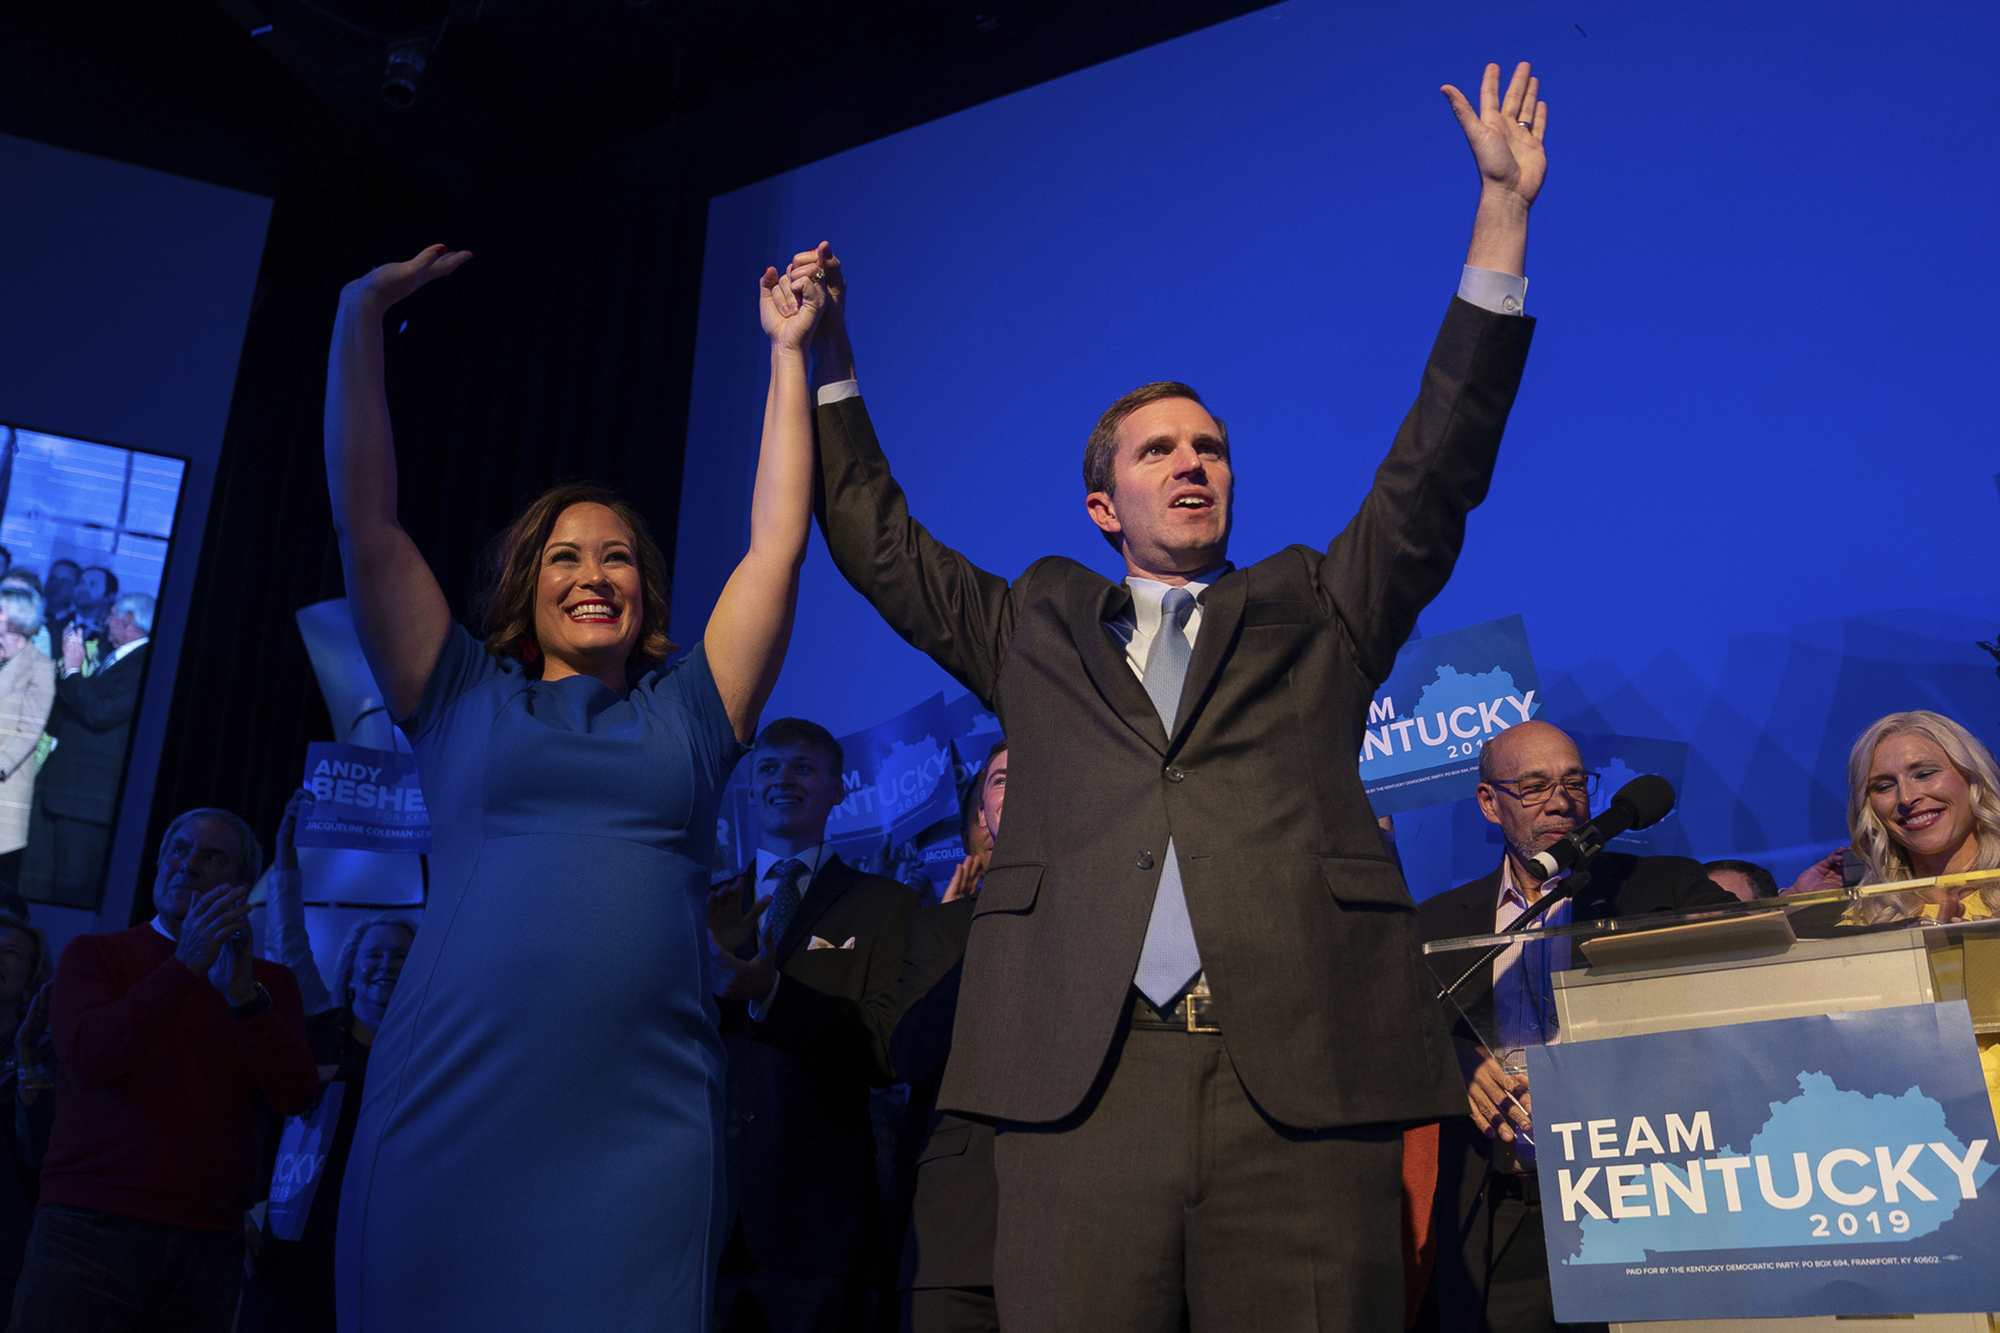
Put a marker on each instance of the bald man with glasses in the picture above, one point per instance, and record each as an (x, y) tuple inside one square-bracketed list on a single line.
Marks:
[(1492, 1266)]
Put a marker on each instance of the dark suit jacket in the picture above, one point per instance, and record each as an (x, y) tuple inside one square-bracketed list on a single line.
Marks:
[(1306, 930), (954, 1215), (92, 724), (1620, 885), (800, 1145)]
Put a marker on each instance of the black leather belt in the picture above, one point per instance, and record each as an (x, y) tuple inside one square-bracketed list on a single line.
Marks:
[(1526, 1187), (1193, 1013)]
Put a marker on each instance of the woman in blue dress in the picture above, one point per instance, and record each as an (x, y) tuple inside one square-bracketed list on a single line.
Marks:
[(540, 1143)]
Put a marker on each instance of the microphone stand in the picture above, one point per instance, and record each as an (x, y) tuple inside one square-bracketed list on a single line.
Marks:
[(1575, 882)]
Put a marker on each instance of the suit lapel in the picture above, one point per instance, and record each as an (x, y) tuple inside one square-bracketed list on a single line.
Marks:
[(1221, 614), (1105, 663), (828, 887)]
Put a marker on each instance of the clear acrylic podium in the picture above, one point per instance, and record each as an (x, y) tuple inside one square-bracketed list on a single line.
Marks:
[(1740, 963)]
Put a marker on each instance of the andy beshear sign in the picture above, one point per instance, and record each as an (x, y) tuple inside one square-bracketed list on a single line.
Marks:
[(365, 799), (1829, 1165)]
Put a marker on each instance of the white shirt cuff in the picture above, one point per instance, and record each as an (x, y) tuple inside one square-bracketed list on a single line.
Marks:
[(1489, 289), (758, 1008), (839, 389)]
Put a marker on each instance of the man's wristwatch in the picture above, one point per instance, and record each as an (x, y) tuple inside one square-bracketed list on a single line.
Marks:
[(253, 1006)]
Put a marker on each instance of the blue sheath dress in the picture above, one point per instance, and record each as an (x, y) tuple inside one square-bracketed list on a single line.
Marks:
[(540, 1143)]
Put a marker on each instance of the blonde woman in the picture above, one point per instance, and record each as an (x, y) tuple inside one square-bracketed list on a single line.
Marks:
[(1923, 798), (27, 691)]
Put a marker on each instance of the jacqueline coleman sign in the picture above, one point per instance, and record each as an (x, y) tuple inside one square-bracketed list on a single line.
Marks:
[(1805, 1166), (367, 800)]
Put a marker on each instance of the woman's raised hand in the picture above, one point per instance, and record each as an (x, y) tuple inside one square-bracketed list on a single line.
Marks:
[(383, 287), (790, 304)]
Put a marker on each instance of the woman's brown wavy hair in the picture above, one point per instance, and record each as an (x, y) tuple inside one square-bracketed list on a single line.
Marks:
[(512, 567)]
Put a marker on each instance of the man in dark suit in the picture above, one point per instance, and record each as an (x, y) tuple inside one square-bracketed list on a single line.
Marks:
[(812, 950), (947, 1277), (76, 792), (1492, 1268), (1191, 998)]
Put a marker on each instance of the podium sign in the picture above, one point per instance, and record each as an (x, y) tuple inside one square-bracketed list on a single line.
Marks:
[(1836, 1164)]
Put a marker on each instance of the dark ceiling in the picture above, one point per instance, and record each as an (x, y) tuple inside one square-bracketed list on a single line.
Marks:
[(220, 89)]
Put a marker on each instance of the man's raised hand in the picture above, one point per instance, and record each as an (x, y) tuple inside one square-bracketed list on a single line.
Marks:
[(382, 287), (1506, 132), (833, 355)]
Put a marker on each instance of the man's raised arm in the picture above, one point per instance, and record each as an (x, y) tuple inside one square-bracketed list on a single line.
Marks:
[(940, 602), (1399, 550)]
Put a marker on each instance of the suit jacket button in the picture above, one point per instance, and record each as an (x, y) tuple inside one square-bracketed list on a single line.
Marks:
[(1175, 772), (1145, 860)]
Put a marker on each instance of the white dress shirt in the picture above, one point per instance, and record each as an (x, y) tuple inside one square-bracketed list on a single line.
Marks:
[(1140, 624)]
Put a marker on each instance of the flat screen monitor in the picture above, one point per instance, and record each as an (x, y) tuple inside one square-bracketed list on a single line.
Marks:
[(86, 530)]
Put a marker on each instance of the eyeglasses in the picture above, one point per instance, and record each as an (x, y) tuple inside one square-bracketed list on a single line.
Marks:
[(1536, 791)]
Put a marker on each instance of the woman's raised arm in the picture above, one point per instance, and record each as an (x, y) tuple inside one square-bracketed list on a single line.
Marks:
[(399, 612), (752, 622)]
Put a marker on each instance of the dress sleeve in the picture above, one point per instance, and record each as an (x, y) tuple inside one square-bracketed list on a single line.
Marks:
[(689, 686), (462, 663)]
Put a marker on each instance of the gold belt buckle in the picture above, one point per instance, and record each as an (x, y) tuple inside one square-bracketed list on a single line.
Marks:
[(1197, 1010)]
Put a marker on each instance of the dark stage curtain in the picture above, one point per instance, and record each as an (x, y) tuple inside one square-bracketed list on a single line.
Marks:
[(564, 349)]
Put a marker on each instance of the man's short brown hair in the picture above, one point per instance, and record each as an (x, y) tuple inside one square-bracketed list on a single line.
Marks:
[(1100, 452), (786, 731)]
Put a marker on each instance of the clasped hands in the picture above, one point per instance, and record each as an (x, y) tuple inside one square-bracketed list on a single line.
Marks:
[(215, 941)]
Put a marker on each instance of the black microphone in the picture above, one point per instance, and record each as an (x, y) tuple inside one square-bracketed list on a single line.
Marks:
[(1640, 803)]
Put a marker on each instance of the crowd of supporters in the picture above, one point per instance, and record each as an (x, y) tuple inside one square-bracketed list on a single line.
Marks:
[(184, 1097)]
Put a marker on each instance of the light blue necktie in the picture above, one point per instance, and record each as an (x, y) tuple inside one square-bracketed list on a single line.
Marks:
[(1169, 960)]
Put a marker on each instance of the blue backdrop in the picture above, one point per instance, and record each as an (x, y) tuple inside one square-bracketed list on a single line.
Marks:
[(1748, 496)]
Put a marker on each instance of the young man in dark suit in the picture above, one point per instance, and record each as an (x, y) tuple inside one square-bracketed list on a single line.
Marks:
[(1492, 1268), (1191, 997), (76, 792), (810, 951), (947, 1273)]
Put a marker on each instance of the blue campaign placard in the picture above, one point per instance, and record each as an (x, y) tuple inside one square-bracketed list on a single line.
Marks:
[(364, 799), (1446, 696), (1834, 1165)]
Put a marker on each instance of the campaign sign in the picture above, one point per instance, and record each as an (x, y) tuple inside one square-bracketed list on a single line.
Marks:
[(1446, 696), (1834, 1165), (301, 1162), (365, 799), (899, 778)]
